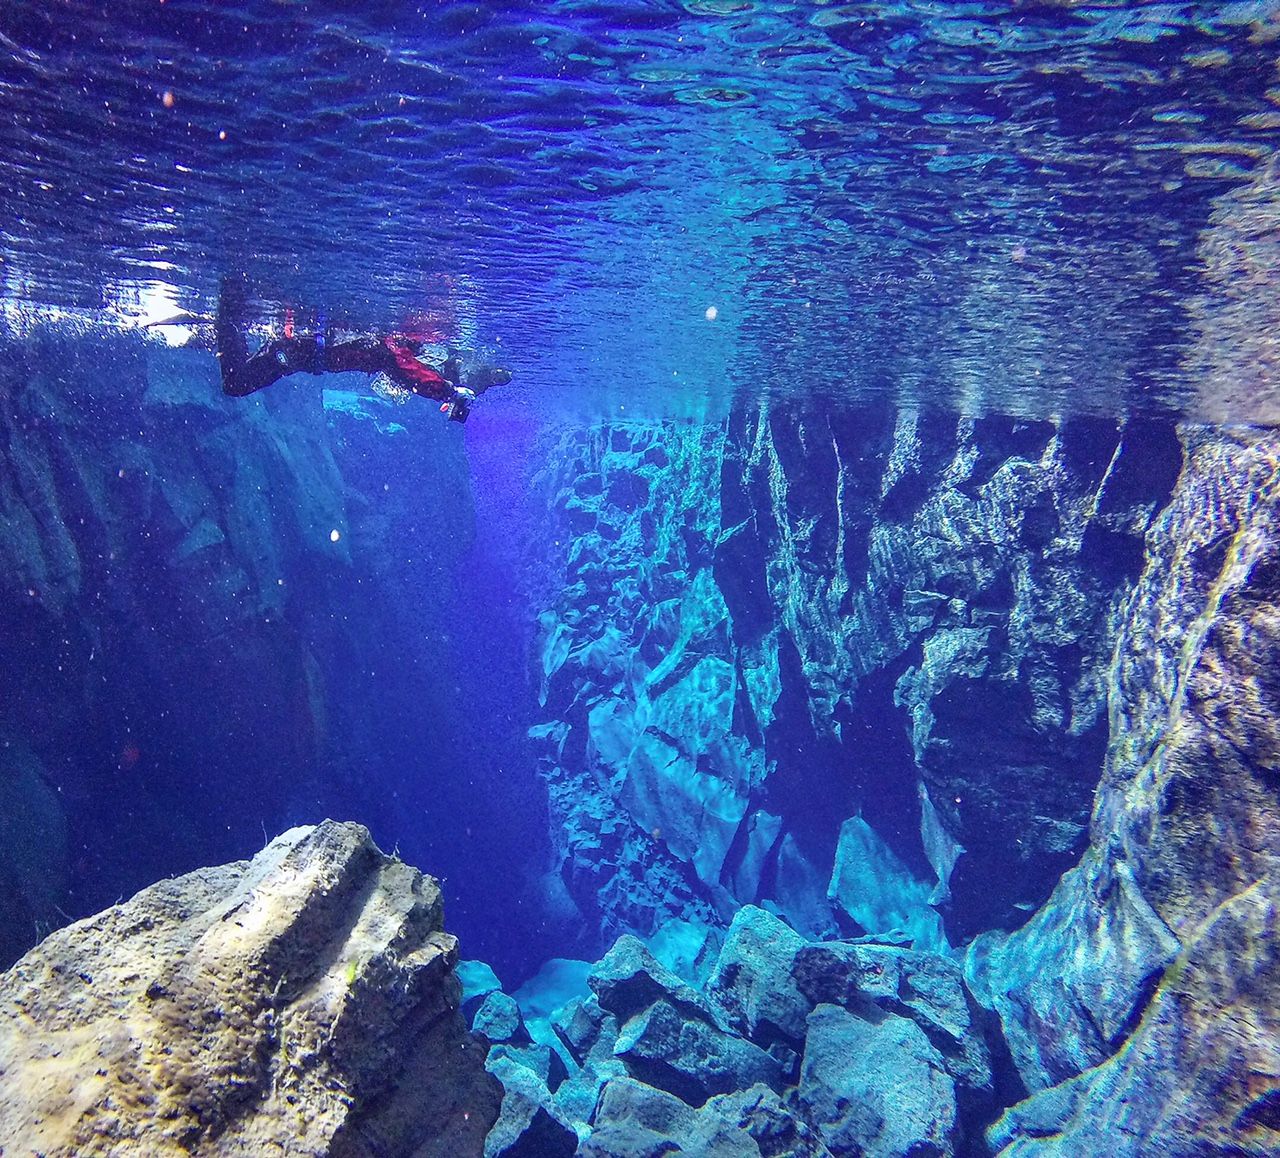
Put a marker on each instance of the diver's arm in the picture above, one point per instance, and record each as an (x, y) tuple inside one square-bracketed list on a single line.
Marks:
[(413, 375)]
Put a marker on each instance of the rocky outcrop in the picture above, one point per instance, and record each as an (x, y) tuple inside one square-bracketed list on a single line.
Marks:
[(1139, 1002), (301, 1002), (769, 677), (791, 1047)]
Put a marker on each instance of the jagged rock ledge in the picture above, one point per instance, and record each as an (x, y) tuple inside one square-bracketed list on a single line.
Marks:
[(303, 1002)]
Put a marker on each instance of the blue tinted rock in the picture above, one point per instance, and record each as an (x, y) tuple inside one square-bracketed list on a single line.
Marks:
[(926, 988), (752, 985), (529, 1125), (578, 1095), (1068, 984), (775, 1127), (630, 978), (557, 983), (800, 891), (687, 948), (876, 1089), (1185, 820), (580, 1024), (538, 1059), (689, 1057), (634, 1120), (477, 978), (1200, 1074), (498, 1019), (763, 831), (872, 885)]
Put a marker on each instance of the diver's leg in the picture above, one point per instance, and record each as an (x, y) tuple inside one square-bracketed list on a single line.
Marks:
[(242, 374), (233, 352)]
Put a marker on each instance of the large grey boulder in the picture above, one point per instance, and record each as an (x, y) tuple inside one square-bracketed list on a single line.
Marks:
[(529, 1124), (301, 1002), (580, 1024), (689, 1057), (924, 987), (629, 979), (752, 985), (634, 1120), (772, 1123), (498, 1019), (876, 1089)]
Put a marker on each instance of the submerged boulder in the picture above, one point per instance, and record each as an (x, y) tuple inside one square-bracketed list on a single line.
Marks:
[(689, 1057), (629, 979), (753, 985), (896, 1058), (301, 1002), (498, 1019), (928, 989), (633, 1120), (877, 1089), (529, 1124)]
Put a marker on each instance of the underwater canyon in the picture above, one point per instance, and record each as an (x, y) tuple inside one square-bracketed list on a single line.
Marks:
[(945, 740)]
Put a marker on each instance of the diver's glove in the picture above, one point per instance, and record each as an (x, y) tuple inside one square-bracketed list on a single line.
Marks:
[(460, 406)]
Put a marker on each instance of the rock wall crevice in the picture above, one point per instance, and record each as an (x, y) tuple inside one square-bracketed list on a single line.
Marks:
[(904, 617)]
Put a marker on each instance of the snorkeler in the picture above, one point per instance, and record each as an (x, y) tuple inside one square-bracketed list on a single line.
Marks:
[(392, 355)]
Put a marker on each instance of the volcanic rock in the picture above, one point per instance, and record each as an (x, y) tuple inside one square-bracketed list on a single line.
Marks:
[(301, 1002)]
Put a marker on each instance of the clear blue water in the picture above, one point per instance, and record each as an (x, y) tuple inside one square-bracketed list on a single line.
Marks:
[(990, 205)]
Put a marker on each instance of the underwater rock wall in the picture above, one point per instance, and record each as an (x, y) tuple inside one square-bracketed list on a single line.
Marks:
[(769, 676), (177, 678), (1140, 1001), (647, 782)]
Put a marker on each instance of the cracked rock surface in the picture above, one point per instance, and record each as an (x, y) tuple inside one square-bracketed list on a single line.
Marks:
[(303, 1002)]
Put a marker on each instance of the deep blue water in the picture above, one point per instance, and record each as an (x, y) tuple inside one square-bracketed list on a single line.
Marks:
[(648, 210)]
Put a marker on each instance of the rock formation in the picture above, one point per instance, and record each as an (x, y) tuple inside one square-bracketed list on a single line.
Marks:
[(790, 1047), (725, 715), (300, 1003), (1139, 1003), (827, 704), (765, 679)]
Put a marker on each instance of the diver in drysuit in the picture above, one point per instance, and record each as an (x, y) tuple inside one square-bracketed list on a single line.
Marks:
[(392, 355)]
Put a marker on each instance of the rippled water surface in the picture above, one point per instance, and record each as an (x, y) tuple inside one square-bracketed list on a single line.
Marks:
[(1031, 206)]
